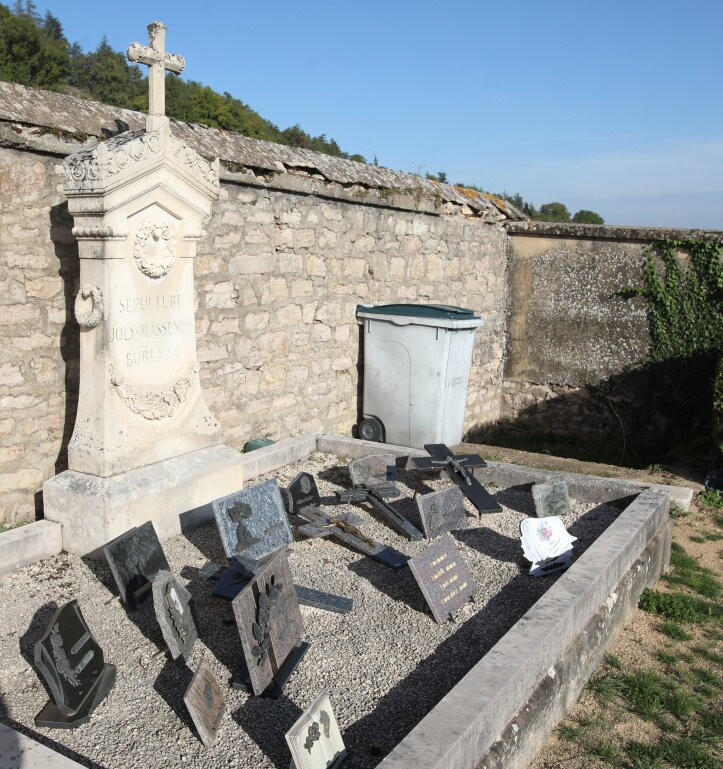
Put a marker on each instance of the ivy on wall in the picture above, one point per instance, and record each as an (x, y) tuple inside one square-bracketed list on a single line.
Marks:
[(683, 287)]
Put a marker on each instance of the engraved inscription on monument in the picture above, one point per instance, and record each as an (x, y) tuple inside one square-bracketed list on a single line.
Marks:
[(444, 577)]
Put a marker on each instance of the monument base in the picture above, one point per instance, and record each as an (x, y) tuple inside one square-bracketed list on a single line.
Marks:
[(174, 494)]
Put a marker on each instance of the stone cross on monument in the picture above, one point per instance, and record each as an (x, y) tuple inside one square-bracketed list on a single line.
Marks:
[(145, 445), (158, 61)]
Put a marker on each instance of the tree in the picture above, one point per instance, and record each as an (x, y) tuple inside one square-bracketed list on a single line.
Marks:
[(440, 176), (553, 212), (587, 217)]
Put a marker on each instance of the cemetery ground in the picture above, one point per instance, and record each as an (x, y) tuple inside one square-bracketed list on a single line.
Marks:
[(385, 664), (656, 701)]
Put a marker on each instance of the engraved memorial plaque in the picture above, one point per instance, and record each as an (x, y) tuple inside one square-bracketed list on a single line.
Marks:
[(268, 619), (135, 558), (71, 662), (206, 703), (302, 492), (172, 603), (374, 470), (441, 511), (253, 523), (444, 577), (315, 740), (551, 498)]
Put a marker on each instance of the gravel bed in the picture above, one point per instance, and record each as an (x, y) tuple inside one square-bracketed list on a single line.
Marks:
[(385, 665)]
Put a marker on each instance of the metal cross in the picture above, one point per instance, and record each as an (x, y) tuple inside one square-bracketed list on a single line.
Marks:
[(158, 61)]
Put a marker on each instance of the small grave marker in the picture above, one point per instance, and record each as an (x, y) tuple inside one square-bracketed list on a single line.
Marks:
[(374, 470), (551, 498), (547, 544), (206, 703), (444, 578), (270, 625), (301, 493), (441, 511), (134, 559), (315, 740), (252, 522), (172, 603), (71, 662)]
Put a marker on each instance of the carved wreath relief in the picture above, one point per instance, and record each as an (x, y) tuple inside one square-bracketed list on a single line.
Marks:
[(92, 317), (154, 249)]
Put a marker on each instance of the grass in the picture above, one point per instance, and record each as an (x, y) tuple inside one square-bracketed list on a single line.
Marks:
[(679, 607), (682, 753), (675, 631), (708, 654), (687, 571), (712, 499), (10, 526)]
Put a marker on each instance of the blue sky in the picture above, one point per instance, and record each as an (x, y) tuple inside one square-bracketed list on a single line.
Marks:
[(611, 106)]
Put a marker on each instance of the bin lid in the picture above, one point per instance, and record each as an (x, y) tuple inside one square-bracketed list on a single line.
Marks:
[(432, 311)]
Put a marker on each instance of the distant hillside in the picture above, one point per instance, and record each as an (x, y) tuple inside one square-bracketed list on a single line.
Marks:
[(34, 51)]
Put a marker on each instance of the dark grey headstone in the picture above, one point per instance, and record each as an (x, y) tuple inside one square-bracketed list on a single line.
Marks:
[(551, 499), (268, 619), (374, 470), (172, 603), (134, 558), (444, 577), (252, 522), (71, 662), (441, 511), (302, 492), (206, 703)]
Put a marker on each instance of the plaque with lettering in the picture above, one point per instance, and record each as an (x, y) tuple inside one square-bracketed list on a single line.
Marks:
[(206, 703), (315, 740), (252, 522), (134, 559), (550, 499), (444, 578), (441, 511), (71, 662), (268, 620), (301, 493)]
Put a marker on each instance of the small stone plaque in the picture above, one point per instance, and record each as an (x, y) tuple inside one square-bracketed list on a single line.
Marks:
[(172, 603), (315, 740), (444, 577), (206, 703), (134, 559), (441, 511), (551, 498), (302, 492), (252, 522), (268, 619), (374, 470), (71, 662)]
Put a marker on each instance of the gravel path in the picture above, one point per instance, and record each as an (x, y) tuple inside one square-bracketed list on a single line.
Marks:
[(386, 664)]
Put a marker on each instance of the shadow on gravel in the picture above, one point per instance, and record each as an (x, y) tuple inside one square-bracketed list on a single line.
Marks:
[(171, 683), (398, 584), (266, 721), (207, 540), (38, 625), (407, 702)]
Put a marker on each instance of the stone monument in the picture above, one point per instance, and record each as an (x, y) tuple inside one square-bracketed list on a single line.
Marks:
[(145, 446)]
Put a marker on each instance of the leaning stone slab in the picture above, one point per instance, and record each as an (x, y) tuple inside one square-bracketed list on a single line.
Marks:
[(18, 751), (28, 544), (461, 731)]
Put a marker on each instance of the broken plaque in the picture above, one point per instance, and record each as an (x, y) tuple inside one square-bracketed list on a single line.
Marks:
[(206, 703), (172, 603), (134, 559), (444, 577), (374, 470), (315, 740), (551, 498), (71, 662), (301, 493), (269, 623), (441, 511), (547, 544), (252, 522)]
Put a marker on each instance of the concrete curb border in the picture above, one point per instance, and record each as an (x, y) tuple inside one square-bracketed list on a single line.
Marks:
[(29, 543)]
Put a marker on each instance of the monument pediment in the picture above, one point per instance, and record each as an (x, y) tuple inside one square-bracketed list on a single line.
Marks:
[(128, 156)]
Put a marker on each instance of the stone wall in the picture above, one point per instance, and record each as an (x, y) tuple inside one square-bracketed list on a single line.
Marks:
[(571, 339), (285, 259)]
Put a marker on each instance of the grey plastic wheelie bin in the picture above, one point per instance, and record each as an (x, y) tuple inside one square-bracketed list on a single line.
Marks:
[(416, 369)]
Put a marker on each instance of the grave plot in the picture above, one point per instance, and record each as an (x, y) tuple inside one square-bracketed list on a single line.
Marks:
[(385, 664)]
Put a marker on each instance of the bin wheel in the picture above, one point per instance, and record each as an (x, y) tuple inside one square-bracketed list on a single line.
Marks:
[(371, 429)]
